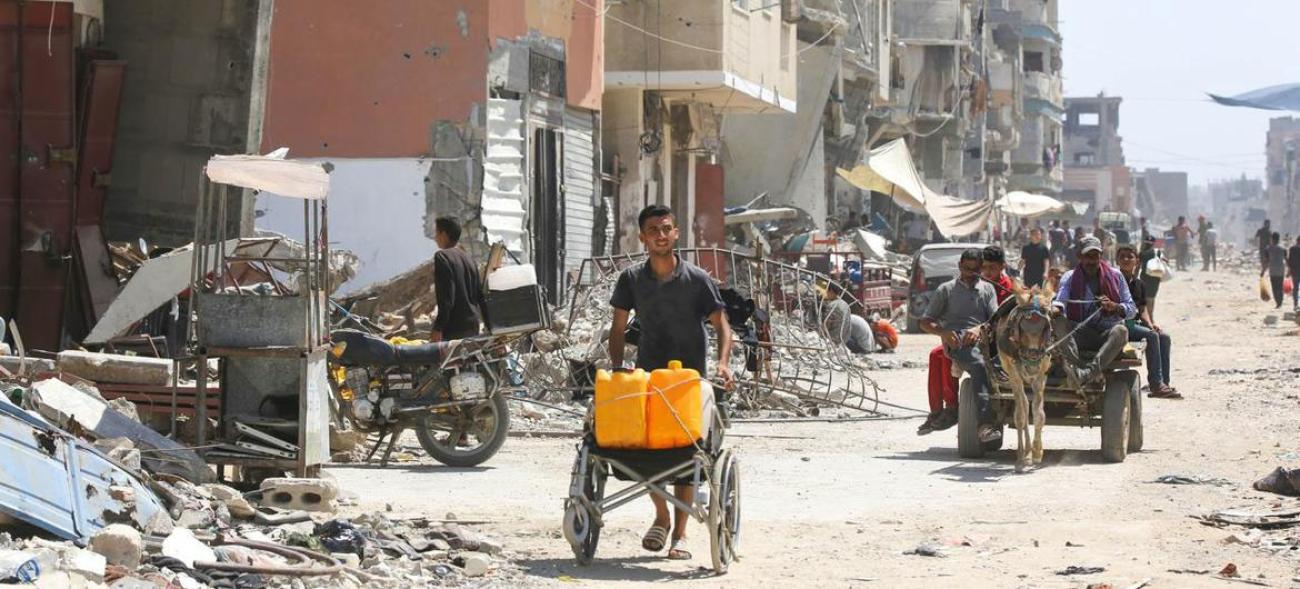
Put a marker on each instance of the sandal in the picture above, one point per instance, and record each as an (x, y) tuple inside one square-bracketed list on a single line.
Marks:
[(675, 553), (655, 538), (1164, 392)]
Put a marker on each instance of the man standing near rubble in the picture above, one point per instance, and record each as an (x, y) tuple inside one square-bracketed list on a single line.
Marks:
[(672, 298), (957, 309), (456, 285)]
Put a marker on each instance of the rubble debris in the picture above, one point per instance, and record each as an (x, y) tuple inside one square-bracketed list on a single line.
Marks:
[(1272, 517), (301, 494), (125, 407), (1283, 481), (233, 500), (928, 549), (116, 368), (1177, 479), (1080, 570), (33, 366), (74, 410), (119, 544), (184, 547)]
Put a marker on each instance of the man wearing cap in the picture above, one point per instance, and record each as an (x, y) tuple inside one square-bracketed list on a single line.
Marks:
[(956, 312), (1095, 295)]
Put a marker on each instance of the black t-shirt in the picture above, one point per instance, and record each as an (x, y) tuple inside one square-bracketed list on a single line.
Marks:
[(1138, 291), (1293, 260), (1263, 237), (671, 313), (1034, 255)]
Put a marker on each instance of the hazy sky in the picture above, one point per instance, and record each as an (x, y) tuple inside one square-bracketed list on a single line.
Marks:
[(1162, 56)]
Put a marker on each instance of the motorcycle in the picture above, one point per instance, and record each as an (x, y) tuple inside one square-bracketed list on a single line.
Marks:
[(452, 394)]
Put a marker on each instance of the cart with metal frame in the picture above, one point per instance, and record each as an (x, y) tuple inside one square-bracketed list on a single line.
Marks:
[(713, 470), (270, 343)]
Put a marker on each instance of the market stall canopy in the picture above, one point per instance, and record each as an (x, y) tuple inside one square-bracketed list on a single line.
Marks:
[(889, 170), (296, 179), (1029, 205), (1280, 97)]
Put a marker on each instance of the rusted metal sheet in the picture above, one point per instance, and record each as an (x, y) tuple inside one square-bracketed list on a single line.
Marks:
[(102, 97), (58, 483), (47, 159), (710, 223)]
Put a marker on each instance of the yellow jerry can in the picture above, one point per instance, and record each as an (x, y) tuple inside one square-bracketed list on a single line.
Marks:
[(620, 402), (682, 396)]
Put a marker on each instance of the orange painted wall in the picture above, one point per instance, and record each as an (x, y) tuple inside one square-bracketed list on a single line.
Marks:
[(578, 23), (368, 79)]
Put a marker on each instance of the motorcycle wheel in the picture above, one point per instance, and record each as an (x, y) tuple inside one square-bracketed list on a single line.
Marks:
[(469, 435)]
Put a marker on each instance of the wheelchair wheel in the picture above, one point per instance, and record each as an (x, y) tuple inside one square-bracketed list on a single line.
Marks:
[(582, 521), (724, 511)]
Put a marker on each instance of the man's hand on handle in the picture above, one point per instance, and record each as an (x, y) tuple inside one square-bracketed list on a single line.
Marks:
[(723, 374)]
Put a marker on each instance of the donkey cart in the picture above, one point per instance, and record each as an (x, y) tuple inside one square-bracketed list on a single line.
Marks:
[(1114, 403)]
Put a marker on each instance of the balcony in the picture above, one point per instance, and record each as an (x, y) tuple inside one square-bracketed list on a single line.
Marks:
[(932, 22), (1043, 94), (737, 55)]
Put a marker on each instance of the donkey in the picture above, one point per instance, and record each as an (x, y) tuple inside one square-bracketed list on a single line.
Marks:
[(1024, 338)]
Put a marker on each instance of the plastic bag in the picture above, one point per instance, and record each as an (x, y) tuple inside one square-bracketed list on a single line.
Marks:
[(341, 536), (18, 566), (1265, 292)]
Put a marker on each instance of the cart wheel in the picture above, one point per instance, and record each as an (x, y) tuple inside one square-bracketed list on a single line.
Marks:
[(1135, 420), (724, 511), (968, 422), (1115, 415), (582, 520)]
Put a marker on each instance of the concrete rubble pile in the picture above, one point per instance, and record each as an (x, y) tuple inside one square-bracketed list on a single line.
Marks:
[(90, 497)]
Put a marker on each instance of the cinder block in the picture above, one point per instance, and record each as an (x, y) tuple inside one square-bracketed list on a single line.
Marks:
[(301, 494)]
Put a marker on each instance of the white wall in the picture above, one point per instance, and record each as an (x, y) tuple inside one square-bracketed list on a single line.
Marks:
[(376, 210)]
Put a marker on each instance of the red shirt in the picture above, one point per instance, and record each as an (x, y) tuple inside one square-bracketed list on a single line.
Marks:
[(1003, 288)]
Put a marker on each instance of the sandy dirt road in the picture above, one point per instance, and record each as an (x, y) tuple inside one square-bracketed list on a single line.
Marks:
[(839, 505)]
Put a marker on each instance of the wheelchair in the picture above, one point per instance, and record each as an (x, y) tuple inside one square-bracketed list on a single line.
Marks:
[(712, 469)]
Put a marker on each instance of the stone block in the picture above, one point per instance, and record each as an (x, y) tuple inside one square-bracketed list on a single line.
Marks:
[(119, 544), (233, 500), (301, 494), (116, 368), (34, 365)]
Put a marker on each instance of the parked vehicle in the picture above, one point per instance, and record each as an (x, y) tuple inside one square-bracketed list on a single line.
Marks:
[(933, 264), (452, 394)]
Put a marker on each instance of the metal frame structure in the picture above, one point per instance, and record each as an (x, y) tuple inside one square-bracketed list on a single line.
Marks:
[(232, 325), (797, 359)]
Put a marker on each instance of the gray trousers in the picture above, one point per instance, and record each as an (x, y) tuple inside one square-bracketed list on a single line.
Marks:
[(1108, 343)]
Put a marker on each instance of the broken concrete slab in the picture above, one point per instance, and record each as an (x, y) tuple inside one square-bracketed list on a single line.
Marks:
[(77, 411), (116, 368), (34, 365), (301, 494), (125, 407), (233, 500)]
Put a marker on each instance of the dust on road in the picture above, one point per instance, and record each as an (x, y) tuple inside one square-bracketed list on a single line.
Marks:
[(841, 505)]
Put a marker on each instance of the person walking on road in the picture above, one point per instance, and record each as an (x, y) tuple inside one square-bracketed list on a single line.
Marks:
[(1275, 265), (1182, 243), (672, 298), (456, 285), (1293, 270), (1034, 259), (1262, 238), (1209, 248), (1056, 239)]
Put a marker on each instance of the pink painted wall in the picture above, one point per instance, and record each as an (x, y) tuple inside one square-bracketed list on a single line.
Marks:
[(368, 79)]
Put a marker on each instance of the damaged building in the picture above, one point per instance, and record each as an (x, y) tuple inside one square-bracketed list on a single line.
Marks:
[(674, 69)]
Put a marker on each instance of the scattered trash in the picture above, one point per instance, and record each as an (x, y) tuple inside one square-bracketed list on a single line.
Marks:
[(1080, 570), (1176, 479), (341, 536), (1282, 481), (928, 549), (1229, 570), (1277, 517), (18, 566)]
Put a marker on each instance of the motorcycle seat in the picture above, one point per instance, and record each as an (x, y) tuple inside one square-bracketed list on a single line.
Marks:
[(358, 348)]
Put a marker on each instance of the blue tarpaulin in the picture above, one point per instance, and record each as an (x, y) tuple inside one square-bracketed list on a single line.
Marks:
[(1281, 97)]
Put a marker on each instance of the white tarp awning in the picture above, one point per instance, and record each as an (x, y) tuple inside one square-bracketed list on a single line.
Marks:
[(1029, 205), (761, 215), (889, 170), (307, 180)]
